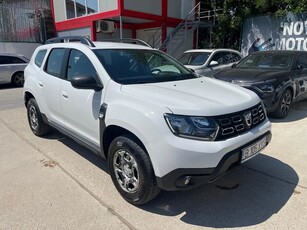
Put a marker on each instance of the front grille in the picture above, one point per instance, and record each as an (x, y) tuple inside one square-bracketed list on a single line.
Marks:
[(233, 124)]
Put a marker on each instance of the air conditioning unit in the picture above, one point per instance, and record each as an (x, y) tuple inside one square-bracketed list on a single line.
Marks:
[(103, 26)]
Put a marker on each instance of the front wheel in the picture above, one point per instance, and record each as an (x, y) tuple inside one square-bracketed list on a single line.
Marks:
[(36, 122), (284, 105), (131, 170)]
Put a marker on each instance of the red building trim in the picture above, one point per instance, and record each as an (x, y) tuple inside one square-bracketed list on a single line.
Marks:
[(93, 31), (141, 15), (85, 21)]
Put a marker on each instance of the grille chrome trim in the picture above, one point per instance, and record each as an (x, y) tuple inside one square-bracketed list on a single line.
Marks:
[(233, 124)]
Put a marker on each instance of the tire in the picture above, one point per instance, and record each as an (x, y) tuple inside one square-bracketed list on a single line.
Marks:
[(283, 105), (131, 171), (37, 125), (18, 79)]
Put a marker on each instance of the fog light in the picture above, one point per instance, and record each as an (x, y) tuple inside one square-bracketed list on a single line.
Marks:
[(187, 180)]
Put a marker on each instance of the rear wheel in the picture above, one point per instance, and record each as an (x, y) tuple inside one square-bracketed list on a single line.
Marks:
[(131, 170), (284, 105), (36, 122), (18, 79)]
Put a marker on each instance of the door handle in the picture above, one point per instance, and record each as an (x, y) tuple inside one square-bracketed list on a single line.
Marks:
[(64, 94), (40, 84)]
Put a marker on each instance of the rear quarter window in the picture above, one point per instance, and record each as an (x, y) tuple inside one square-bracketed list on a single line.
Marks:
[(40, 57)]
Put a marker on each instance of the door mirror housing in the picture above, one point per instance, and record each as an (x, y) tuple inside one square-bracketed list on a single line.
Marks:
[(234, 65), (86, 82), (213, 63)]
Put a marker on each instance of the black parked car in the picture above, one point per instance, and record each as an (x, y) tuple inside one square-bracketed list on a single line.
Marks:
[(278, 77)]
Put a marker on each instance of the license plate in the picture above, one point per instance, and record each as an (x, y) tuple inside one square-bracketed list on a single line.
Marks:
[(253, 150)]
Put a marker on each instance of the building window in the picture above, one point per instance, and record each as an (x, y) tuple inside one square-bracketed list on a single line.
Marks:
[(81, 8), (92, 6), (78, 8), (70, 9)]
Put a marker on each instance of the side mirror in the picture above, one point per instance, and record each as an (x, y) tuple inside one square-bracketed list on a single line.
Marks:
[(86, 82), (234, 65), (213, 63)]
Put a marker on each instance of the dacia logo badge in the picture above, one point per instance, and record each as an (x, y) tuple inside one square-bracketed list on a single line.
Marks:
[(248, 119)]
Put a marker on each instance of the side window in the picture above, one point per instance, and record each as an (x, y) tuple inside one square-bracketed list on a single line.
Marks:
[(3, 60), (40, 57), (54, 63), (302, 61), (79, 65), (230, 57), (15, 60), (218, 57), (10, 60)]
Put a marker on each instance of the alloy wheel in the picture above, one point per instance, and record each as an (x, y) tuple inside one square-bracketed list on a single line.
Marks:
[(126, 171), (19, 79), (285, 103), (33, 117)]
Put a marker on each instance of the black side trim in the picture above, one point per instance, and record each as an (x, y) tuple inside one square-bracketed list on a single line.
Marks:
[(102, 127), (94, 148), (198, 176)]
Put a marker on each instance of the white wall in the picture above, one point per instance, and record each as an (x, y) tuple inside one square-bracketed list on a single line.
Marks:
[(177, 45), (59, 10), (179, 8), (23, 48), (126, 34), (147, 34), (145, 6), (86, 31), (107, 5)]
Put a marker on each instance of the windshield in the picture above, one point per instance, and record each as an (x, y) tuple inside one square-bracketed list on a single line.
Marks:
[(267, 61), (131, 66), (194, 58)]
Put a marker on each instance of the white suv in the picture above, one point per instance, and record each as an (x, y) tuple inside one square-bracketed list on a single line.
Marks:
[(158, 125)]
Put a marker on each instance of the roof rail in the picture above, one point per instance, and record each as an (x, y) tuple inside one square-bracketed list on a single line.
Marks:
[(64, 39), (127, 40)]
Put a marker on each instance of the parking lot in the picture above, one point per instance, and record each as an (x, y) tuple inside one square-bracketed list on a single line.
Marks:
[(54, 183)]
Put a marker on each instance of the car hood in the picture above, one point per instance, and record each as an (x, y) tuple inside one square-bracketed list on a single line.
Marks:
[(199, 96), (249, 75)]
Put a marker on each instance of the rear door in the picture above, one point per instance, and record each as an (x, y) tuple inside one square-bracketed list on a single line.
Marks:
[(49, 81)]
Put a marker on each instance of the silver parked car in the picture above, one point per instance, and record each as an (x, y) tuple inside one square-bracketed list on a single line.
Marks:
[(207, 61), (11, 69)]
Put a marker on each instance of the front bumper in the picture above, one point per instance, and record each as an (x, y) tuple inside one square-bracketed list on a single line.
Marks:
[(176, 179)]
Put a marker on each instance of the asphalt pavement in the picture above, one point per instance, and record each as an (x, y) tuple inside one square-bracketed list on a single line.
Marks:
[(54, 183)]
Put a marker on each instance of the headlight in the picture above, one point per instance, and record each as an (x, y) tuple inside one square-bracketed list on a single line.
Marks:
[(266, 88), (200, 128)]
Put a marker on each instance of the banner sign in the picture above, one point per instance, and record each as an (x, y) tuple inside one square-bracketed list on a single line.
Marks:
[(270, 33)]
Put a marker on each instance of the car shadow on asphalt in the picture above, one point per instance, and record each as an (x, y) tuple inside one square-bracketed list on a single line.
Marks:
[(297, 112), (247, 196), (79, 149), (7, 86)]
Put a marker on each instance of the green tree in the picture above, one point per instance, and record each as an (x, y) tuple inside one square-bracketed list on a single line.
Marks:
[(227, 31)]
